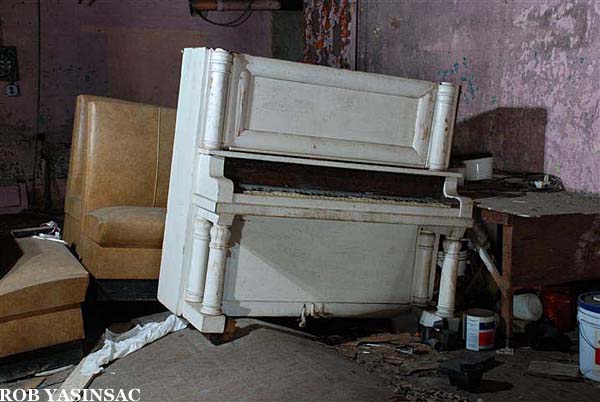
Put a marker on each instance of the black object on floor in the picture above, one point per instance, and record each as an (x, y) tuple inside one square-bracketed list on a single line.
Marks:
[(126, 289), (542, 335), (466, 371), (49, 358)]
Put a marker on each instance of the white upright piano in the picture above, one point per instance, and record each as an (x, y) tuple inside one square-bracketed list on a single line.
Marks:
[(301, 190)]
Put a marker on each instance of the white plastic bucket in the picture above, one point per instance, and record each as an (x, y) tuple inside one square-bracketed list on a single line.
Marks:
[(588, 319), (479, 329), (527, 307)]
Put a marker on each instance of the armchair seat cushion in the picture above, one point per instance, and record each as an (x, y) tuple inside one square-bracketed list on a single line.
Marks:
[(131, 227)]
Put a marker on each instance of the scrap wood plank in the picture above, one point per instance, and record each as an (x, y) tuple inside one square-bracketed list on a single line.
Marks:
[(350, 349), (401, 338), (76, 380), (554, 370), (27, 383)]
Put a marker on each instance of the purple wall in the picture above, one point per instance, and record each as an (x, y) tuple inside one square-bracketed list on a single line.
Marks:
[(122, 49), (529, 71)]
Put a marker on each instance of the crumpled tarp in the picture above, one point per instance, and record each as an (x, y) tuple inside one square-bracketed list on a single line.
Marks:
[(120, 345)]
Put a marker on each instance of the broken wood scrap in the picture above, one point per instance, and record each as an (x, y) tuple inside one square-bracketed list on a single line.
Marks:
[(57, 377), (26, 383), (401, 338), (410, 392), (348, 349), (388, 348), (554, 370)]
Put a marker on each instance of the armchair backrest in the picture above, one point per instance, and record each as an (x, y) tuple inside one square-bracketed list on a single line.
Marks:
[(76, 175), (128, 156)]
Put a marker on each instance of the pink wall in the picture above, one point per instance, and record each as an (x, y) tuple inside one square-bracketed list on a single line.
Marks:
[(529, 70), (123, 49)]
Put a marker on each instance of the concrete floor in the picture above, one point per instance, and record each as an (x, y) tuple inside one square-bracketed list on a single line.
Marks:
[(275, 365), (271, 364), (508, 381), (263, 365)]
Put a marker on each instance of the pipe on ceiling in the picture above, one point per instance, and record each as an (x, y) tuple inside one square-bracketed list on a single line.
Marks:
[(235, 5)]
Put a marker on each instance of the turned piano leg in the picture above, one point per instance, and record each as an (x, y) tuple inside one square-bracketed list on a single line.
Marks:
[(199, 261), (422, 268), (213, 319), (446, 299)]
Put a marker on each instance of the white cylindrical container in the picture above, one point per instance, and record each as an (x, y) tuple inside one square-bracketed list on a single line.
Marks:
[(588, 319), (479, 329), (479, 168)]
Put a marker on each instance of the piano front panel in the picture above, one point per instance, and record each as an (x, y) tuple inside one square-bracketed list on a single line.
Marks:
[(297, 109), (279, 260)]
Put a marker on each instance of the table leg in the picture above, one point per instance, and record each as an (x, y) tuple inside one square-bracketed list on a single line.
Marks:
[(506, 313), (507, 292)]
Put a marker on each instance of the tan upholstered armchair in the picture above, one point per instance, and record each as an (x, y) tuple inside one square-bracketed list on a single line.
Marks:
[(117, 189), (73, 197)]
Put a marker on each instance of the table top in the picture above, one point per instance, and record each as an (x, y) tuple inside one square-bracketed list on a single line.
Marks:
[(536, 204)]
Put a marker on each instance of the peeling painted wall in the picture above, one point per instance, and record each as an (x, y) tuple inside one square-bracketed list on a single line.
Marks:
[(328, 29), (122, 49), (529, 71)]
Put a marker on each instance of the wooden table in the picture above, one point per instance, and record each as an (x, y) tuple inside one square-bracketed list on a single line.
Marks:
[(543, 239)]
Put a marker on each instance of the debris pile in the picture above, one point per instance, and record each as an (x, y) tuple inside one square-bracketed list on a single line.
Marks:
[(396, 357), (411, 393), (402, 351)]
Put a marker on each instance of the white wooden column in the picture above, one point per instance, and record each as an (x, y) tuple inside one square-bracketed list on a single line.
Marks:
[(446, 299), (199, 260), (422, 268), (220, 71), (215, 275), (443, 126)]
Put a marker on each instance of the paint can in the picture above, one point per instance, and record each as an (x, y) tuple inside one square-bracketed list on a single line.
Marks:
[(479, 329), (588, 318)]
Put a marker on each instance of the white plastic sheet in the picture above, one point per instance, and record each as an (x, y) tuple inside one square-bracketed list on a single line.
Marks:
[(120, 345)]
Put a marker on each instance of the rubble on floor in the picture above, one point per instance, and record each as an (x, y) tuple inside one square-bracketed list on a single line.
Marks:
[(411, 370), (268, 361)]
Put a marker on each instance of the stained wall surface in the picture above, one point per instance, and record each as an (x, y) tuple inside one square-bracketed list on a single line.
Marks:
[(124, 49), (529, 71)]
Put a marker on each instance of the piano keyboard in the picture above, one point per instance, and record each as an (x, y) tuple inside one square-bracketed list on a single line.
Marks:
[(337, 196)]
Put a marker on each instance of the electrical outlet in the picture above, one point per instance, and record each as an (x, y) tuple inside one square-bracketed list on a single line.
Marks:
[(12, 90), (9, 70)]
